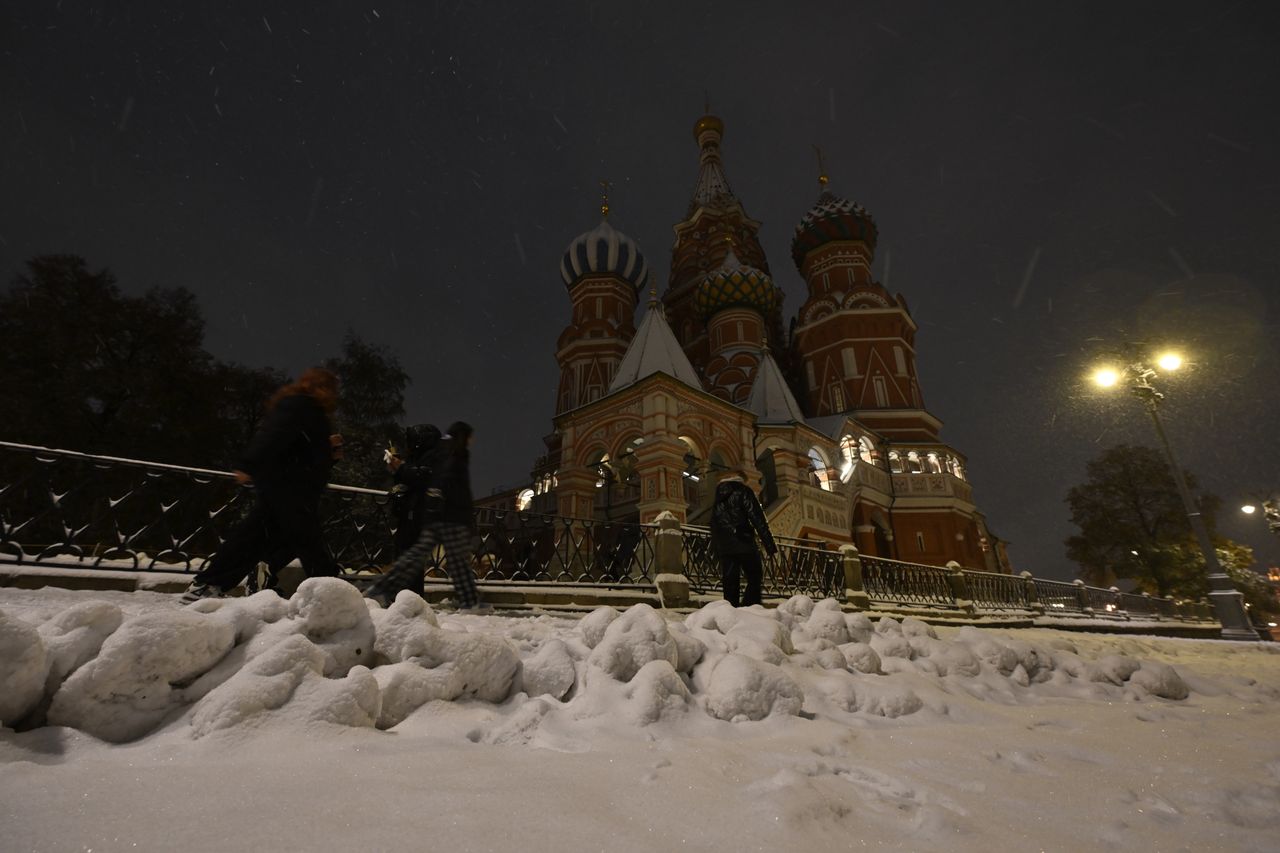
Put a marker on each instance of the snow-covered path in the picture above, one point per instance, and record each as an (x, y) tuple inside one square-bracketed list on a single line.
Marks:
[(973, 740)]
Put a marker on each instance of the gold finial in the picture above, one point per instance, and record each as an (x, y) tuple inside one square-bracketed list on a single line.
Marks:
[(653, 294), (822, 169), (604, 199)]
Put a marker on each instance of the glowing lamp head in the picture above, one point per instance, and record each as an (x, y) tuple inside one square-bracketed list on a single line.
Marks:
[(1106, 377), (1248, 509), (1169, 361)]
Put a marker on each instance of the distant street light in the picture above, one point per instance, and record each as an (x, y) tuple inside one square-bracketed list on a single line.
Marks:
[(1270, 511), (1228, 604)]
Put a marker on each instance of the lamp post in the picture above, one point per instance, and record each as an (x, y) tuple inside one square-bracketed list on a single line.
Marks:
[(1228, 604)]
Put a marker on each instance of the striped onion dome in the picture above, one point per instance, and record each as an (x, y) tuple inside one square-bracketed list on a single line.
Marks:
[(604, 251), (831, 219), (736, 284)]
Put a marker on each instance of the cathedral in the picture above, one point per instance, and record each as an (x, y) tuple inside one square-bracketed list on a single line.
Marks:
[(824, 414)]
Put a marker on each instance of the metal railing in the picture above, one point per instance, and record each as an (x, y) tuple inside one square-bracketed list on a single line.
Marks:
[(532, 548), (64, 508), (800, 567), (1058, 596), (906, 583), (990, 591)]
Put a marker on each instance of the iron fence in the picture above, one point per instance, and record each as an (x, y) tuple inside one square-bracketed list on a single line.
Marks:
[(64, 508), (800, 566), (895, 582), (1058, 596), (990, 591), (533, 548)]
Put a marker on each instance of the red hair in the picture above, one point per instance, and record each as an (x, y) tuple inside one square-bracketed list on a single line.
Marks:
[(315, 382)]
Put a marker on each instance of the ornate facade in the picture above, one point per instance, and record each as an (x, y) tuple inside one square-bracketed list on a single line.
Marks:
[(828, 420)]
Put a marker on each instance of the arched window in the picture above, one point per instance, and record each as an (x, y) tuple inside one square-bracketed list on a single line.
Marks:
[(524, 500), (848, 457), (933, 465), (913, 462), (866, 451), (820, 470), (895, 462)]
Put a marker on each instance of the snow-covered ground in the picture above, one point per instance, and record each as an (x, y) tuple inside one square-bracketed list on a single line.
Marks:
[(321, 724)]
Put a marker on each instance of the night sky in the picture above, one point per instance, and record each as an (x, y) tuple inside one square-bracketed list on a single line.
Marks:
[(1049, 180)]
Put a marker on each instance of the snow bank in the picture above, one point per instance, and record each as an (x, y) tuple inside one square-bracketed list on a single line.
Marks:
[(329, 656)]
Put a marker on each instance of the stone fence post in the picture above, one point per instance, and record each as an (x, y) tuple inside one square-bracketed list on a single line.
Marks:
[(1082, 597), (1116, 607), (1033, 594), (960, 588), (668, 562), (854, 592)]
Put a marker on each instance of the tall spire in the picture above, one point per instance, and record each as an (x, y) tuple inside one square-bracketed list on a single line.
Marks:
[(712, 188)]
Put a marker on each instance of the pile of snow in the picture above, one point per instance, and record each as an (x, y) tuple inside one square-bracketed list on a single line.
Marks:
[(800, 726), (329, 655)]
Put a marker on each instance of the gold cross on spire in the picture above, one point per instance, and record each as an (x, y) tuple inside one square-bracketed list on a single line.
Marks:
[(822, 169), (604, 199)]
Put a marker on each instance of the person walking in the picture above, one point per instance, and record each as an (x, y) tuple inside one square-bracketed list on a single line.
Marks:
[(449, 523), (287, 462), (411, 475), (736, 520)]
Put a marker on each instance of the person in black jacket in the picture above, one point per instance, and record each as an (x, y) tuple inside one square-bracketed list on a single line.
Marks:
[(288, 462), (736, 520), (450, 522), (411, 475)]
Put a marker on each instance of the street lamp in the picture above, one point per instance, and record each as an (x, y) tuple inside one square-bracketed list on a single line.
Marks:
[(1270, 511), (1227, 602)]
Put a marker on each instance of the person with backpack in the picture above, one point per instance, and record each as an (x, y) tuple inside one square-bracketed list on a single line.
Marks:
[(288, 462), (736, 520), (449, 522)]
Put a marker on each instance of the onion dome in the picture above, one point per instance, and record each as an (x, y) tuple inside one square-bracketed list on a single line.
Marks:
[(736, 284), (604, 251), (831, 219)]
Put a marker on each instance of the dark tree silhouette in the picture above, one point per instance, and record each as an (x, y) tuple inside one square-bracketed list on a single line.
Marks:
[(1133, 524)]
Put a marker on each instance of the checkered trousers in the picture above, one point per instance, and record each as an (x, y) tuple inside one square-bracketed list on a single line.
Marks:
[(457, 540)]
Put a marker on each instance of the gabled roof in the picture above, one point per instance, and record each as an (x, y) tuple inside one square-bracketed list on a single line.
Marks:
[(654, 349), (771, 399)]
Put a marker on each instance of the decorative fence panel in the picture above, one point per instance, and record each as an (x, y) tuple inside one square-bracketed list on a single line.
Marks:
[(906, 583), (990, 591), (530, 548), (1058, 597), (68, 509), (801, 567)]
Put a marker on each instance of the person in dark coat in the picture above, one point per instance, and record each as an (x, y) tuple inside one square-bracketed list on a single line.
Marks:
[(287, 462), (411, 475), (736, 520), (450, 523)]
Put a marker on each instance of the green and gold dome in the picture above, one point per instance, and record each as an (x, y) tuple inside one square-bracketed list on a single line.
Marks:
[(734, 284)]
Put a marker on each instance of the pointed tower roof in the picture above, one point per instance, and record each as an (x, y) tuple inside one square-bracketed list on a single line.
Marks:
[(654, 349), (712, 188), (771, 399)]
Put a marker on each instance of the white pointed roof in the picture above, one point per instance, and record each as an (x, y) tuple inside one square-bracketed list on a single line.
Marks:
[(771, 399), (654, 349)]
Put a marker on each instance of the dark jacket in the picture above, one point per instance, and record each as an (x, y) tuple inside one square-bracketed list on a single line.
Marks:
[(413, 477), (453, 477), (291, 452), (736, 520)]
